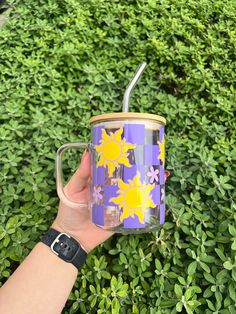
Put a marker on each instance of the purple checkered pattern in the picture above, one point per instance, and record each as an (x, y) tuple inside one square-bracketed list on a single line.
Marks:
[(97, 134), (144, 158)]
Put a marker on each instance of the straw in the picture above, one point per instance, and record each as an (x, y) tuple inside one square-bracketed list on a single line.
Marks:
[(131, 85)]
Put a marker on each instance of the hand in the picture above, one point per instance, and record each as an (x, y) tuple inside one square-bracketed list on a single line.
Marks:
[(77, 221)]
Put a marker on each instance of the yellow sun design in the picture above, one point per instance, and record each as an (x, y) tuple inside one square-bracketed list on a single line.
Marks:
[(113, 151), (162, 150), (134, 198)]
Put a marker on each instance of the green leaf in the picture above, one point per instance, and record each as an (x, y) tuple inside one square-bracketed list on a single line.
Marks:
[(178, 291), (228, 265), (234, 274), (211, 191), (219, 298), (75, 305), (179, 307), (220, 254), (113, 282), (168, 225), (192, 268), (233, 246), (37, 196), (122, 293), (12, 222), (188, 294), (188, 309), (222, 276), (232, 230), (232, 292), (168, 303), (158, 265), (115, 306), (210, 305), (123, 258), (6, 273), (105, 274), (2, 232), (205, 267), (93, 302), (182, 281), (207, 293), (92, 289), (209, 278)]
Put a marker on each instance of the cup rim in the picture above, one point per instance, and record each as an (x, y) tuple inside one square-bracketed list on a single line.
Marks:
[(127, 115)]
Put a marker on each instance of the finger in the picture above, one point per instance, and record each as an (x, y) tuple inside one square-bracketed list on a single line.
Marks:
[(167, 174), (80, 178)]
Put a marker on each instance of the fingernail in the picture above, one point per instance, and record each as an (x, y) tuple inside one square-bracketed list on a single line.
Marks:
[(167, 174), (84, 153)]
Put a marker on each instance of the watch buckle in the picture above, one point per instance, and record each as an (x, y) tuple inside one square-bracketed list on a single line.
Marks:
[(58, 240)]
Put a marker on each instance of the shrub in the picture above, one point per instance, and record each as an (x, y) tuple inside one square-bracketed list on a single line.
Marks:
[(62, 62)]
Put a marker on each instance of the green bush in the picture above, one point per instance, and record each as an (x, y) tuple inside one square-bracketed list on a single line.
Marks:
[(62, 62)]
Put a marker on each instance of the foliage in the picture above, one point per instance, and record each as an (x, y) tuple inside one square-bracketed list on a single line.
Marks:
[(62, 62)]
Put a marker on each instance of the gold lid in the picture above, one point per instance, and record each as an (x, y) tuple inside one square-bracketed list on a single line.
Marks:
[(127, 115)]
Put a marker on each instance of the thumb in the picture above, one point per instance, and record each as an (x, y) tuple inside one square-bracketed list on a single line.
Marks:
[(80, 178)]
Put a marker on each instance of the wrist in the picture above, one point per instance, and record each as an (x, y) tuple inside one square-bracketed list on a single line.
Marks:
[(76, 235), (58, 263), (65, 247)]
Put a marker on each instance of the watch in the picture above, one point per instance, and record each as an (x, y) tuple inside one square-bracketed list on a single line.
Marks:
[(65, 247)]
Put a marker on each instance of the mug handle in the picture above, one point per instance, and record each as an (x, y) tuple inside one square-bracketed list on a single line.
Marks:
[(59, 175)]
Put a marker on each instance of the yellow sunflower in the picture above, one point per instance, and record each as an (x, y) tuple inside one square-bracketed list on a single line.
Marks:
[(112, 151), (162, 150), (134, 198)]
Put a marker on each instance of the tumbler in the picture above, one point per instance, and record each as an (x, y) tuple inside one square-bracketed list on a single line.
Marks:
[(127, 186)]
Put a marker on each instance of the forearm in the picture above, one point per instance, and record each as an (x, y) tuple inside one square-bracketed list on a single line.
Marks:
[(41, 284)]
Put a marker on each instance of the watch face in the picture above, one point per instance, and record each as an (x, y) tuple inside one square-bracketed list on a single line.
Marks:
[(66, 247)]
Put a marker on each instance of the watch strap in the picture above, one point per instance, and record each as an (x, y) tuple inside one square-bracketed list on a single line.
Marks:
[(65, 247)]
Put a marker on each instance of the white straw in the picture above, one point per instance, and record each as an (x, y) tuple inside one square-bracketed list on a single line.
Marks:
[(131, 85)]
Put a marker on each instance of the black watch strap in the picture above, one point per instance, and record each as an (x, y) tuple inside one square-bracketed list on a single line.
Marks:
[(65, 247)]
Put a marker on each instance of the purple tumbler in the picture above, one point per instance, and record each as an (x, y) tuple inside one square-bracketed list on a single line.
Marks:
[(127, 189)]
